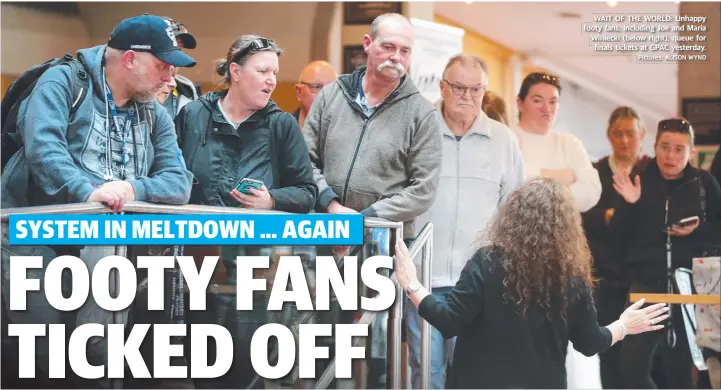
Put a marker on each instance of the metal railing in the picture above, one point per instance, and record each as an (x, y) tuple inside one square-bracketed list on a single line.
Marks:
[(421, 245)]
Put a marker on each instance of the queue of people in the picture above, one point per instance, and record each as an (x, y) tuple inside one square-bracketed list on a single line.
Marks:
[(536, 248)]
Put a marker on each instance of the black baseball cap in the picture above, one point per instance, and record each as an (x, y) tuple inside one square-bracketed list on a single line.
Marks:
[(150, 34), (182, 34)]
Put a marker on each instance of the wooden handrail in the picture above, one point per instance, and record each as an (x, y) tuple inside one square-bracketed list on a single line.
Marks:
[(696, 299)]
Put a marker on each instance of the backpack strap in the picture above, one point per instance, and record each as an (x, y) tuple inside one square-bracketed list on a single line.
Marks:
[(80, 85)]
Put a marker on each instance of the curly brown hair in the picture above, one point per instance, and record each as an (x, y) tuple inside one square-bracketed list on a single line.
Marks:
[(543, 245)]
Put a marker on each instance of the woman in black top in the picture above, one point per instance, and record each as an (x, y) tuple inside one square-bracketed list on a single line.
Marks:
[(643, 226), (625, 133), (520, 300)]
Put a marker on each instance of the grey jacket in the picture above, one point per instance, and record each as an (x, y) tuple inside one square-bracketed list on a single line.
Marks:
[(386, 165), (479, 172)]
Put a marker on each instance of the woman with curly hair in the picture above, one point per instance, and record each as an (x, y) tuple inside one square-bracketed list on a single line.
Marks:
[(520, 299)]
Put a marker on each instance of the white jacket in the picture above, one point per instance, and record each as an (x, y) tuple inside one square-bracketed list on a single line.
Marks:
[(478, 172)]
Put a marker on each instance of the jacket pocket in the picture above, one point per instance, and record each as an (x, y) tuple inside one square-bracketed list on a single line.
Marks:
[(359, 199)]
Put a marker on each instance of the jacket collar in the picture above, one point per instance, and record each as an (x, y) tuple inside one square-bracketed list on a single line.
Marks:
[(689, 172), (349, 85), (480, 126)]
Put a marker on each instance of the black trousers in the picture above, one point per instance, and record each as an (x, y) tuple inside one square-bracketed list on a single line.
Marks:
[(637, 354), (611, 298)]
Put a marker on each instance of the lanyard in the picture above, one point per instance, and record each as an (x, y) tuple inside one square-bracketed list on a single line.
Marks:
[(123, 132)]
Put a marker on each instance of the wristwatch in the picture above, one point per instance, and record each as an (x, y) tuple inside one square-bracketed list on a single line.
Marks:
[(413, 287)]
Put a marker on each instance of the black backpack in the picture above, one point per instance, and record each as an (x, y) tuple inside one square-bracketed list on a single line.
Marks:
[(23, 87)]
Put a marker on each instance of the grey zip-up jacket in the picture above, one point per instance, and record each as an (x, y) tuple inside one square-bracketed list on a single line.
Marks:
[(479, 171), (386, 165)]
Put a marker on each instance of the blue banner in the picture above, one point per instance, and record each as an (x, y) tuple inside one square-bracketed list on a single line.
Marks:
[(197, 229)]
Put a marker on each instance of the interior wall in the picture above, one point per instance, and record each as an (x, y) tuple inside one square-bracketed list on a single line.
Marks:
[(702, 78), (47, 34), (214, 25), (496, 56), (585, 114)]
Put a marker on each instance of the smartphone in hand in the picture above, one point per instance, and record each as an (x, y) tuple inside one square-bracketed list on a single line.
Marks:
[(687, 221), (246, 184)]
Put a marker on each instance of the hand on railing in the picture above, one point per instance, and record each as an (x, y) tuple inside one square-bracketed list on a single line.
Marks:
[(405, 269), (114, 194)]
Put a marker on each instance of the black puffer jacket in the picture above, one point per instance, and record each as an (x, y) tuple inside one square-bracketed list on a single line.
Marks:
[(268, 146)]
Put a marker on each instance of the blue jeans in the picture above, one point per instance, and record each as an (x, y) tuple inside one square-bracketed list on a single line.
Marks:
[(441, 349)]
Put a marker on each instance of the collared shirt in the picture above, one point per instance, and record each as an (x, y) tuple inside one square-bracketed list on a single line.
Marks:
[(227, 118), (362, 101)]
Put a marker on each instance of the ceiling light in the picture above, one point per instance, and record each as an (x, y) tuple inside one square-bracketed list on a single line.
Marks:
[(612, 4)]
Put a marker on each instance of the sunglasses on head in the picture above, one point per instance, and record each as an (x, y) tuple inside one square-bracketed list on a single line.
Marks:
[(680, 125), (544, 77), (259, 44)]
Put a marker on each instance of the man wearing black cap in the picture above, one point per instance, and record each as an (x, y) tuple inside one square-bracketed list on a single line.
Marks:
[(118, 146), (183, 90)]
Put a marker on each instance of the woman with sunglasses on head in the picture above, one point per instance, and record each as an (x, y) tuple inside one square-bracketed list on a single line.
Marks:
[(239, 133), (561, 157), (523, 296), (547, 153), (674, 203), (244, 151)]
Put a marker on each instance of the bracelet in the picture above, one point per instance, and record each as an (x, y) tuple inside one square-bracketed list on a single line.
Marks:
[(413, 287)]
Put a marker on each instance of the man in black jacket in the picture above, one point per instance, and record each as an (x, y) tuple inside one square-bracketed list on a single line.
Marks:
[(645, 223)]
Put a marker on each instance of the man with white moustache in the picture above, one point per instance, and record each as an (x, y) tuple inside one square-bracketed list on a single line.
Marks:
[(374, 140), (482, 164), (375, 145)]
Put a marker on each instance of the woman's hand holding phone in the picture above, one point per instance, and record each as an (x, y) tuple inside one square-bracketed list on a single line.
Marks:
[(684, 228), (255, 198)]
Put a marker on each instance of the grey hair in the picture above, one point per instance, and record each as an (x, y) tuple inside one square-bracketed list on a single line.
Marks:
[(113, 55), (222, 65), (466, 59), (378, 21)]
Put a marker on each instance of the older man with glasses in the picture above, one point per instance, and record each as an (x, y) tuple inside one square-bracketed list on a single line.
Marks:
[(313, 78), (482, 164)]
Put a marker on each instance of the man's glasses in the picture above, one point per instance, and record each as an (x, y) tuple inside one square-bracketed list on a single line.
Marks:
[(259, 44), (461, 90), (315, 88)]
